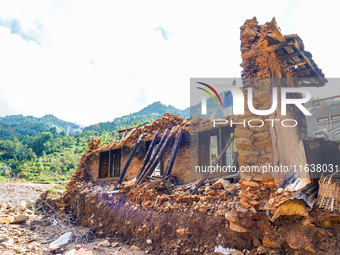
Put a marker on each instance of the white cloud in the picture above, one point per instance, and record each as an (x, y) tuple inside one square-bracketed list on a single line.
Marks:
[(85, 60)]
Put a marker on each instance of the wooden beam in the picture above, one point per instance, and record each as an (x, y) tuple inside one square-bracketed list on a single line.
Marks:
[(173, 154), (127, 129), (253, 53), (216, 161), (109, 168), (303, 62), (158, 157), (297, 46), (302, 71), (115, 138), (133, 152), (148, 154), (288, 56), (155, 152)]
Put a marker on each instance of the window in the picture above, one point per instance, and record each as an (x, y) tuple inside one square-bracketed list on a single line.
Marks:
[(109, 163), (115, 163), (335, 117), (322, 119), (103, 164)]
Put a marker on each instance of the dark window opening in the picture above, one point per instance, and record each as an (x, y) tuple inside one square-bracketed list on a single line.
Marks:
[(210, 145), (103, 164), (115, 163), (109, 163)]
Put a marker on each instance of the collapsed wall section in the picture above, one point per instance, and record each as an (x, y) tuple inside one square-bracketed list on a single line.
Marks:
[(268, 144)]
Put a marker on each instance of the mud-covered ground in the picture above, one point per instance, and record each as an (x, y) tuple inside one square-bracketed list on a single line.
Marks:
[(43, 226)]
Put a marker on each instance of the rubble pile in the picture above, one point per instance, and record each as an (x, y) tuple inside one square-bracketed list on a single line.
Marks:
[(167, 121)]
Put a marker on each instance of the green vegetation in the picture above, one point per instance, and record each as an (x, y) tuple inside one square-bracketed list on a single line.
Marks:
[(18, 125), (149, 113), (41, 150)]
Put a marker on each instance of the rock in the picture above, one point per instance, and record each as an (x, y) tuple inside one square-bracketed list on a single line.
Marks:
[(235, 252), (250, 183), (220, 184), (115, 244), (231, 216), (83, 251), (62, 240), (134, 248), (105, 243), (14, 219), (237, 228), (28, 211), (271, 243), (256, 242), (148, 241), (309, 248), (71, 252), (7, 245), (180, 231), (221, 250)]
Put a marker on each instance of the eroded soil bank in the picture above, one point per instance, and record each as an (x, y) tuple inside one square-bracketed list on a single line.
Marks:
[(174, 222)]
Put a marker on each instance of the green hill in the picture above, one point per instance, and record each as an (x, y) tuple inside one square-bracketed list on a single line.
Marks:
[(149, 113), (19, 125)]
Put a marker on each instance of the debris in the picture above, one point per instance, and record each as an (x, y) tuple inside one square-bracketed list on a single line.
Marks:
[(220, 184), (14, 219), (61, 241), (135, 248), (180, 231), (221, 250), (105, 243), (71, 252), (148, 241), (237, 228), (271, 243)]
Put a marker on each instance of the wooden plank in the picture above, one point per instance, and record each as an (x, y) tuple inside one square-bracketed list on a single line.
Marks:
[(109, 168), (256, 52), (155, 152), (127, 129), (133, 152), (216, 161), (158, 157), (303, 62), (302, 71), (148, 154), (115, 138), (288, 56), (147, 157), (173, 154), (122, 137), (297, 46)]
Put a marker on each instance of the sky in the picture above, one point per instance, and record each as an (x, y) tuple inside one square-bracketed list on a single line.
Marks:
[(91, 61)]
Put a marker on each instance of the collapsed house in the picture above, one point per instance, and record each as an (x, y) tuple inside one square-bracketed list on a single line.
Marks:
[(145, 188)]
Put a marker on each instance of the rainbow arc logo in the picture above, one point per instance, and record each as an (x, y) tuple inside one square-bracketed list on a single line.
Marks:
[(209, 93)]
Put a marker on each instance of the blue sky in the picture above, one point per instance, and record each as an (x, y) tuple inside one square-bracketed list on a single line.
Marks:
[(88, 62)]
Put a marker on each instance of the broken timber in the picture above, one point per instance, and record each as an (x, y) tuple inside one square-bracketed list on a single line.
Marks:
[(216, 161), (147, 157), (133, 152), (155, 152), (161, 151), (173, 154)]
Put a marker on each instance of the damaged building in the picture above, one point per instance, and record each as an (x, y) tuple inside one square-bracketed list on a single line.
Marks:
[(145, 187)]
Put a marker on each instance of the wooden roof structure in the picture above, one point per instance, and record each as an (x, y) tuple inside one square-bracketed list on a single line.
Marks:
[(290, 52)]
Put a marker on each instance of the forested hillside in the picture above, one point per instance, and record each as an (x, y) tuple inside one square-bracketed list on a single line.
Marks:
[(149, 113), (19, 125), (49, 149)]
